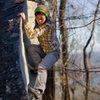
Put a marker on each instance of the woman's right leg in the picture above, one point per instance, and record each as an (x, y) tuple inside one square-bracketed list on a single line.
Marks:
[(37, 54)]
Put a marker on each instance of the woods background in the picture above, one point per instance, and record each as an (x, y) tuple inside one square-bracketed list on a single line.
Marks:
[(76, 76)]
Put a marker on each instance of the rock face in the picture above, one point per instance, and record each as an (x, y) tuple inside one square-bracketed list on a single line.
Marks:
[(12, 85)]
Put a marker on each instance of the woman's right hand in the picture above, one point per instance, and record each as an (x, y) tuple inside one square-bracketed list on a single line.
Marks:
[(22, 14)]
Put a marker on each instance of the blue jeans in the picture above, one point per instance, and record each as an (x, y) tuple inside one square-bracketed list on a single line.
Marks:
[(38, 57), (42, 62)]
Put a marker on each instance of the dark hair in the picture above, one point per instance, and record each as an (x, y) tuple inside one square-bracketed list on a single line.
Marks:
[(40, 13)]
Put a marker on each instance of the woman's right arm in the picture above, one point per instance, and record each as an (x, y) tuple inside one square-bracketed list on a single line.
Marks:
[(30, 33)]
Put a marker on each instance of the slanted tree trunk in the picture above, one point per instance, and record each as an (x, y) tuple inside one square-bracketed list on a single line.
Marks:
[(87, 79)]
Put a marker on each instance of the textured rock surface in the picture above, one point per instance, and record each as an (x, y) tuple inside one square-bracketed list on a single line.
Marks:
[(11, 82)]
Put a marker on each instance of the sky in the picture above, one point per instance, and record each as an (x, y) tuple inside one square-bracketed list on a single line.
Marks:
[(81, 35)]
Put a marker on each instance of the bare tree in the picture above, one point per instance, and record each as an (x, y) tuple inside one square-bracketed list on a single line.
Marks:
[(64, 34), (85, 55)]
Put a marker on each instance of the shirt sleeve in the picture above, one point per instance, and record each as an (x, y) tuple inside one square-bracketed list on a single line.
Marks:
[(31, 33), (52, 38)]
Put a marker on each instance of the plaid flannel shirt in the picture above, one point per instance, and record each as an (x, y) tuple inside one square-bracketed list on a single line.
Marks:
[(46, 39)]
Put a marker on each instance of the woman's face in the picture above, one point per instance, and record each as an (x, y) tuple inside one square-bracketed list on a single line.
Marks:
[(40, 19)]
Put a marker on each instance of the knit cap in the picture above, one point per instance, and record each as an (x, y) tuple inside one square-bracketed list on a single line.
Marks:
[(43, 9)]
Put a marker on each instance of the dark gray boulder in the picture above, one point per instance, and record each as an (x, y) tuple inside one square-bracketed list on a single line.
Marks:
[(13, 81)]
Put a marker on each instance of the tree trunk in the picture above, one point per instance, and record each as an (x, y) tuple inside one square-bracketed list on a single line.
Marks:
[(64, 34), (50, 89)]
